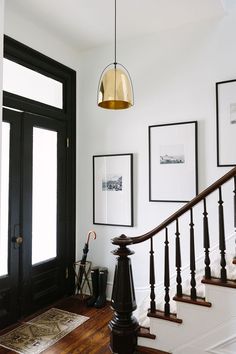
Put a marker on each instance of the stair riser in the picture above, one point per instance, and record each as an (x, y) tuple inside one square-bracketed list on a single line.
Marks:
[(196, 320), (222, 298)]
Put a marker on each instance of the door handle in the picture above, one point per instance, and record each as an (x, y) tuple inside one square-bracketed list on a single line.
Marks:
[(17, 240)]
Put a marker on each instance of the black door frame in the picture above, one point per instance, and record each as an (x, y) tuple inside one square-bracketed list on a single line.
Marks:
[(9, 300), (32, 59)]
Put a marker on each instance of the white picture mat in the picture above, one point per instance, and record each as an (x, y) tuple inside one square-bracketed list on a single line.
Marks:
[(226, 129), (175, 181), (112, 207)]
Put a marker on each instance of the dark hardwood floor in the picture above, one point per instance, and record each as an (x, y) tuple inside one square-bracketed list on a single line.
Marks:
[(92, 337)]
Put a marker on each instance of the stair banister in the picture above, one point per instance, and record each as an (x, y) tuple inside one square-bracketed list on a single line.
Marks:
[(123, 326), (234, 261), (138, 239)]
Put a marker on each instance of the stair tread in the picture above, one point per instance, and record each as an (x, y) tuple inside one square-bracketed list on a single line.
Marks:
[(142, 350), (161, 315), (200, 301), (219, 282), (145, 332)]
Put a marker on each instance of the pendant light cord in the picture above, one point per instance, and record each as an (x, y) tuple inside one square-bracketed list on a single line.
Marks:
[(115, 35)]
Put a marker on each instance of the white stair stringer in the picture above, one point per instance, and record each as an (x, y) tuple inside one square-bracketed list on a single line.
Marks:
[(220, 340), (194, 335)]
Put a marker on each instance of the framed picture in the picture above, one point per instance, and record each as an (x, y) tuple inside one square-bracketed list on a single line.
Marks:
[(173, 162), (113, 190), (226, 122)]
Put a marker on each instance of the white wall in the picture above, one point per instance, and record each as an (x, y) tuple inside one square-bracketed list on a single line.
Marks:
[(174, 75), (1, 62), (26, 31), (1, 50)]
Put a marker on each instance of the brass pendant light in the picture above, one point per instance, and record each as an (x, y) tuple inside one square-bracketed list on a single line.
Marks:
[(115, 89)]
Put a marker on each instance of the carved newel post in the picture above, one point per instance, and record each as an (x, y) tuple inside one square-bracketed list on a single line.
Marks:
[(123, 326)]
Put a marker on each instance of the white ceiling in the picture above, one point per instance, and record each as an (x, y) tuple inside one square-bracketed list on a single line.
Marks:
[(90, 23)]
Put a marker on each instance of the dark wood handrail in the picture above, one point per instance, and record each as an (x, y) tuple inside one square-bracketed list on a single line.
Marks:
[(125, 241)]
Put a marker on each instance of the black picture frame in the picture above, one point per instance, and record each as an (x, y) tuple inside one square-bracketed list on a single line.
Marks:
[(113, 190), (173, 162), (226, 123)]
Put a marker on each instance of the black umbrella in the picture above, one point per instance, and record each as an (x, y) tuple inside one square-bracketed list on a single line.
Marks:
[(83, 260)]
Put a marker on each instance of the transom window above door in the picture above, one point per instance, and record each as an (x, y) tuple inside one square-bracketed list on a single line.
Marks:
[(22, 81)]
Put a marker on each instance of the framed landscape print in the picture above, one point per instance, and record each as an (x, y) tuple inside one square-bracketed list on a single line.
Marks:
[(226, 122), (113, 189), (173, 162)]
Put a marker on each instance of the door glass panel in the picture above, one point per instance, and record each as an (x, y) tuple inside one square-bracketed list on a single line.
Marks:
[(44, 203), (4, 198), (28, 83)]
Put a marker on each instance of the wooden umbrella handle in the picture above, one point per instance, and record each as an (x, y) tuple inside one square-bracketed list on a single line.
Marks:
[(92, 232)]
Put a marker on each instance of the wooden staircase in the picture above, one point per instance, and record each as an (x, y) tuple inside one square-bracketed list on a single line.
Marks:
[(194, 320), (197, 319)]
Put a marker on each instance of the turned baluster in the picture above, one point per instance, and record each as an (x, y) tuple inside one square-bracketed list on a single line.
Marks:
[(178, 261), (235, 202), (192, 258), (152, 279), (222, 247), (167, 277), (206, 241), (234, 261)]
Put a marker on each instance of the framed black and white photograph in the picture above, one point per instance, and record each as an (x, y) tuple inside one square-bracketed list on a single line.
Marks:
[(173, 162), (226, 122), (113, 189)]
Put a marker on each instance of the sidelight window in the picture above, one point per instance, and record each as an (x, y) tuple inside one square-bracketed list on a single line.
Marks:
[(4, 198), (44, 203)]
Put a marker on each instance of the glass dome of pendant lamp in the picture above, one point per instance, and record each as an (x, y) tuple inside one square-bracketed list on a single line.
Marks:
[(115, 90)]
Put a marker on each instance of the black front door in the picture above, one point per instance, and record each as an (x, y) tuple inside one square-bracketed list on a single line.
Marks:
[(34, 254)]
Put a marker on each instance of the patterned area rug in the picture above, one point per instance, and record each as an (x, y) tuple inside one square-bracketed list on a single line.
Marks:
[(41, 332)]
